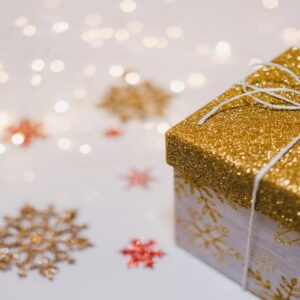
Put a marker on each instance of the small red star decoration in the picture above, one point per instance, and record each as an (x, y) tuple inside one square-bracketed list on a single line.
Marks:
[(139, 178), (28, 131), (112, 132), (142, 253)]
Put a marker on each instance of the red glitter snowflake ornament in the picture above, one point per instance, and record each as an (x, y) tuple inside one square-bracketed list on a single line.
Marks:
[(142, 253), (24, 133), (112, 132), (139, 178)]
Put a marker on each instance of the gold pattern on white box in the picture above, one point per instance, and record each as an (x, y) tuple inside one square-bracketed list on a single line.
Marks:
[(213, 229)]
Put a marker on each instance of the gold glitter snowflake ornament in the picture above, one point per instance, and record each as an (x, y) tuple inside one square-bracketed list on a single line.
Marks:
[(40, 240), (137, 100)]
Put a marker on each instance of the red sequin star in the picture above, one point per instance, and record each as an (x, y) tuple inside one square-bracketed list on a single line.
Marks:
[(112, 132), (141, 253), (139, 178), (26, 130)]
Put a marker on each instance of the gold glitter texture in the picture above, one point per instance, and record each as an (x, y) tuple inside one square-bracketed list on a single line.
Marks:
[(40, 240), (137, 101), (227, 151)]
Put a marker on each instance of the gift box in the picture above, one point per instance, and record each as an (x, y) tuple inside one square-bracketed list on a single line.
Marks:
[(215, 166)]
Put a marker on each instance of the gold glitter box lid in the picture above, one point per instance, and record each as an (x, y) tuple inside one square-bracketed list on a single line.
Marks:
[(228, 150)]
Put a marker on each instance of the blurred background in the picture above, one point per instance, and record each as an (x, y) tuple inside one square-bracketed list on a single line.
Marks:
[(88, 89)]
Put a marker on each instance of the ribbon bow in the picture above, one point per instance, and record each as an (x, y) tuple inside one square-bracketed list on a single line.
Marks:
[(250, 90)]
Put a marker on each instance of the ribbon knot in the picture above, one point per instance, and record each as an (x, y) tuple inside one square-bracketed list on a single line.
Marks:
[(252, 91)]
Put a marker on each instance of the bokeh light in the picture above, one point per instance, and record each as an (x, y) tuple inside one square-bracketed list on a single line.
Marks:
[(116, 71), (177, 86), (61, 106), (85, 148), (128, 6)]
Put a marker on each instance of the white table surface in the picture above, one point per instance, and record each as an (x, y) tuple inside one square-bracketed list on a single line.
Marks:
[(94, 183)]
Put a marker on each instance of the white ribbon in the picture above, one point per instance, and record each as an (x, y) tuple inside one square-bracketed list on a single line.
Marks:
[(292, 105)]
